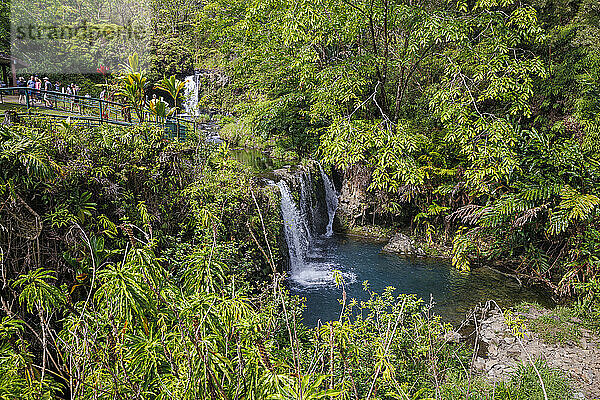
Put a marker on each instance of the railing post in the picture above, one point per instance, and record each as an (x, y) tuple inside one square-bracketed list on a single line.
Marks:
[(27, 98), (101, 113)]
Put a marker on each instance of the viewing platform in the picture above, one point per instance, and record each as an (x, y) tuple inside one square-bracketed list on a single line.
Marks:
[(91, 111)]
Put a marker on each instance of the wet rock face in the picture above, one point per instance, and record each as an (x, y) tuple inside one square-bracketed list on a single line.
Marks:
[(353, 196), (402, 244), (286, 174), (307, 188)]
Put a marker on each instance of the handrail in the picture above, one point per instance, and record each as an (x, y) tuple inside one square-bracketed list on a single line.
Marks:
[(75, 118), (76, 96), (105, 111)]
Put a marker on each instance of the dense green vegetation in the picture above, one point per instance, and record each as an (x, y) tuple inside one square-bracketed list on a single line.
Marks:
[(476, 121), (109, 222), (135, 267)]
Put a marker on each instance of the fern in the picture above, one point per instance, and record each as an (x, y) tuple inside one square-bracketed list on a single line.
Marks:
[(468, 214), (573, 207), (529, 215), (579, 206), (462, 246)]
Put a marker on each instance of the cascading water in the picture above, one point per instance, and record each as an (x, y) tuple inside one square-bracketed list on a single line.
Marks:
[(310, 264), (330, 199), (190, 104), (315, 258), (294, 228), (191, 94)]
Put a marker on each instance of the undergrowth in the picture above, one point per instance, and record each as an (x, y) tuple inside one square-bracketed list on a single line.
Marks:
[(523, 384)]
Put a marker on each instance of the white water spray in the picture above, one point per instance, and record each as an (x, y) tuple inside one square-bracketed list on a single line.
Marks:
[(294, 227), (311, 267), (330, 199), (191, 95)]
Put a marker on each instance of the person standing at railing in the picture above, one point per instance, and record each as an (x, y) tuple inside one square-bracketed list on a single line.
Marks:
[(31, 85), (48, 87), (38, 86), (21, 83), (69, 93), (103, 105), (76, 100), (57, 89)]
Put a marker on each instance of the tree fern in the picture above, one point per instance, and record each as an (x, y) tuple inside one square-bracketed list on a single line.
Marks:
[(463, 247)]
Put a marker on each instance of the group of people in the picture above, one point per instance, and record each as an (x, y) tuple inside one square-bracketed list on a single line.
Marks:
[(43, 92)]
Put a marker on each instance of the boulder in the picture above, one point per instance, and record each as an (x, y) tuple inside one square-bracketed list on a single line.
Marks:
[(402, 244), (286, 175)]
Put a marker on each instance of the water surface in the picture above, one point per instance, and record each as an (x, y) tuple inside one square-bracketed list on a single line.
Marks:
[(314, 255), (454, 293), (256, 159)]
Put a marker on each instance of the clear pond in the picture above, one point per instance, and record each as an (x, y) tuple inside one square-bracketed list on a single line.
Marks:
[(454, 293)]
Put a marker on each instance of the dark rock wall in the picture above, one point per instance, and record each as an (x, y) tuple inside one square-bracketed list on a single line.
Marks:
[(353, 200)]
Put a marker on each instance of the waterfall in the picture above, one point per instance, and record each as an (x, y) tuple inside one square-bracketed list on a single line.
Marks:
[(311, 265), (294, 227), (331, 200), (308, 208), (191, 94)]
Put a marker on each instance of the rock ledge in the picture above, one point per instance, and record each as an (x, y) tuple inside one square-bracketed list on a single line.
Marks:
[(404, 245)]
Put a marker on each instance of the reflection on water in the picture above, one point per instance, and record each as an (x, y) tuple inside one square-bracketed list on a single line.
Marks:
[(454, 293), (255, 159)]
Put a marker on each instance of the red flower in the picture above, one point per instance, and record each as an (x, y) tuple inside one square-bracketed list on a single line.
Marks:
[(103, 69)]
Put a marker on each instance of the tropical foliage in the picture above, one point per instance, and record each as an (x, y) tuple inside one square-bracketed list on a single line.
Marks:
[(475, 122), (166, 283), (135, 267)]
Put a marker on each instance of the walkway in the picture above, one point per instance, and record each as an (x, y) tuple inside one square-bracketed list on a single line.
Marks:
[(91, 111)]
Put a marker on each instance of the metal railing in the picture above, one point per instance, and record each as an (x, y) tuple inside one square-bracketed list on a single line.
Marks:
[(93, 110)]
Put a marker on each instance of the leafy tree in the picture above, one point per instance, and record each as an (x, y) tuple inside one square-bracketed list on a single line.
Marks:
[(173, 87), (36, 293), (132, 81)]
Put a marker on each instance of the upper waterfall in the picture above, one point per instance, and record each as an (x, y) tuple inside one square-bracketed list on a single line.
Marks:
[(191, 94)]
